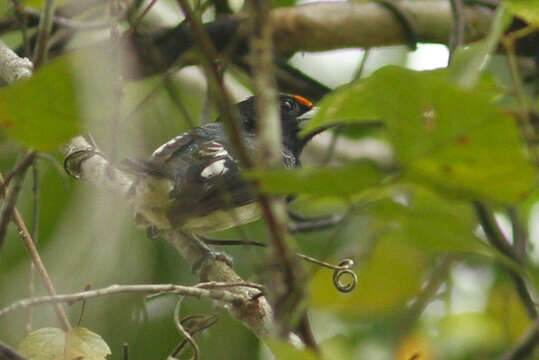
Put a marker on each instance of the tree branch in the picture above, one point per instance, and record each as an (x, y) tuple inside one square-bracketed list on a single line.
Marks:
[(12, 67), (198, 291)]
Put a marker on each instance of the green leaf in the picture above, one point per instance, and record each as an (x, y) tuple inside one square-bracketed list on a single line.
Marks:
[(416, 216), (285, 351), (44, 344), (42, 112), (526, 9), (55, 344), (453, 139), (356, 102), (324, 181)]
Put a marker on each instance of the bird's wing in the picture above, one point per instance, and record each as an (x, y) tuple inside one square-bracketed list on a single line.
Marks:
[(206, 178)]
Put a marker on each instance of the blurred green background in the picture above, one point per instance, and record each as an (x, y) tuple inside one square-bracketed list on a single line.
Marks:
[(399, 234)]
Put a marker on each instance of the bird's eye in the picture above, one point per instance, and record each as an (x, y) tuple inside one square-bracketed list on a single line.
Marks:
[(287, 106)]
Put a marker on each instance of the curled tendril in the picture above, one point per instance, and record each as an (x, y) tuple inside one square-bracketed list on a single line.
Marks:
[(344, 271), (184, 332)]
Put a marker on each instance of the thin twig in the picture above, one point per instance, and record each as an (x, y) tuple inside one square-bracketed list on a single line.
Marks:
[(22, 19), (35, 237), (527, 127), (433, 283), (198, 292), (201, 322), (7, 353), (526, 345), (138, 20), (68, 23), (11, 198), (117, 81), (38, 263), (520, 235), (493, 232), (45, 27), (125, 347), (223, 100), (269, 154), (20, 166), (183, 332), (457, 32), (362, 63), (495, 237)]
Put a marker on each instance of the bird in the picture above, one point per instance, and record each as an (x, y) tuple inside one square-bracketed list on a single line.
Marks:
[(193, 182)]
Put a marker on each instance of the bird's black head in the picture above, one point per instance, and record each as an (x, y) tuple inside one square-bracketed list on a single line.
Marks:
[(294, 111)]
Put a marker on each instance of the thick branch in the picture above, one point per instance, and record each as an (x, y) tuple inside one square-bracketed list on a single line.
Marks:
[(332, 25), (12, 67), (314, 27)]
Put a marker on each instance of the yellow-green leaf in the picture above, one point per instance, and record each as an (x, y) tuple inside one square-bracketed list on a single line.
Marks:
[(55, 344), (44, 344), (285, 351)]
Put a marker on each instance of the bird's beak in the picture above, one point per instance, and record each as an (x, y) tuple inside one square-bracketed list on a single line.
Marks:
[(304, 118)]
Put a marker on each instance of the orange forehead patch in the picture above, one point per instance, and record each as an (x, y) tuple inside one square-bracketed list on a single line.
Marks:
[(303, 101)]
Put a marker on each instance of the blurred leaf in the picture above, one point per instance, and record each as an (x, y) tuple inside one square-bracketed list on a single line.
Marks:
[(55, 344), (285, 351), (526, 9), (283, 3), (377, 293), (505, 305), (418, 217), (336, 347), (451, 138), (3, 7), (469, 336), (356, 102), (38, 4), (415, 347), (467, 62), (42, 112), (331, 181)]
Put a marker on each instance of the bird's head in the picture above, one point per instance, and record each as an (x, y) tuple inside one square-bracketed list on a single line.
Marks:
[(295, 111)]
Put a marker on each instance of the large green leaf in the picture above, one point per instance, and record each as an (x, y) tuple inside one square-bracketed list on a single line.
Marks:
[(55, 344), (356, 102), (42, 112), (325, 181), (454, 139), (418, 217)]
